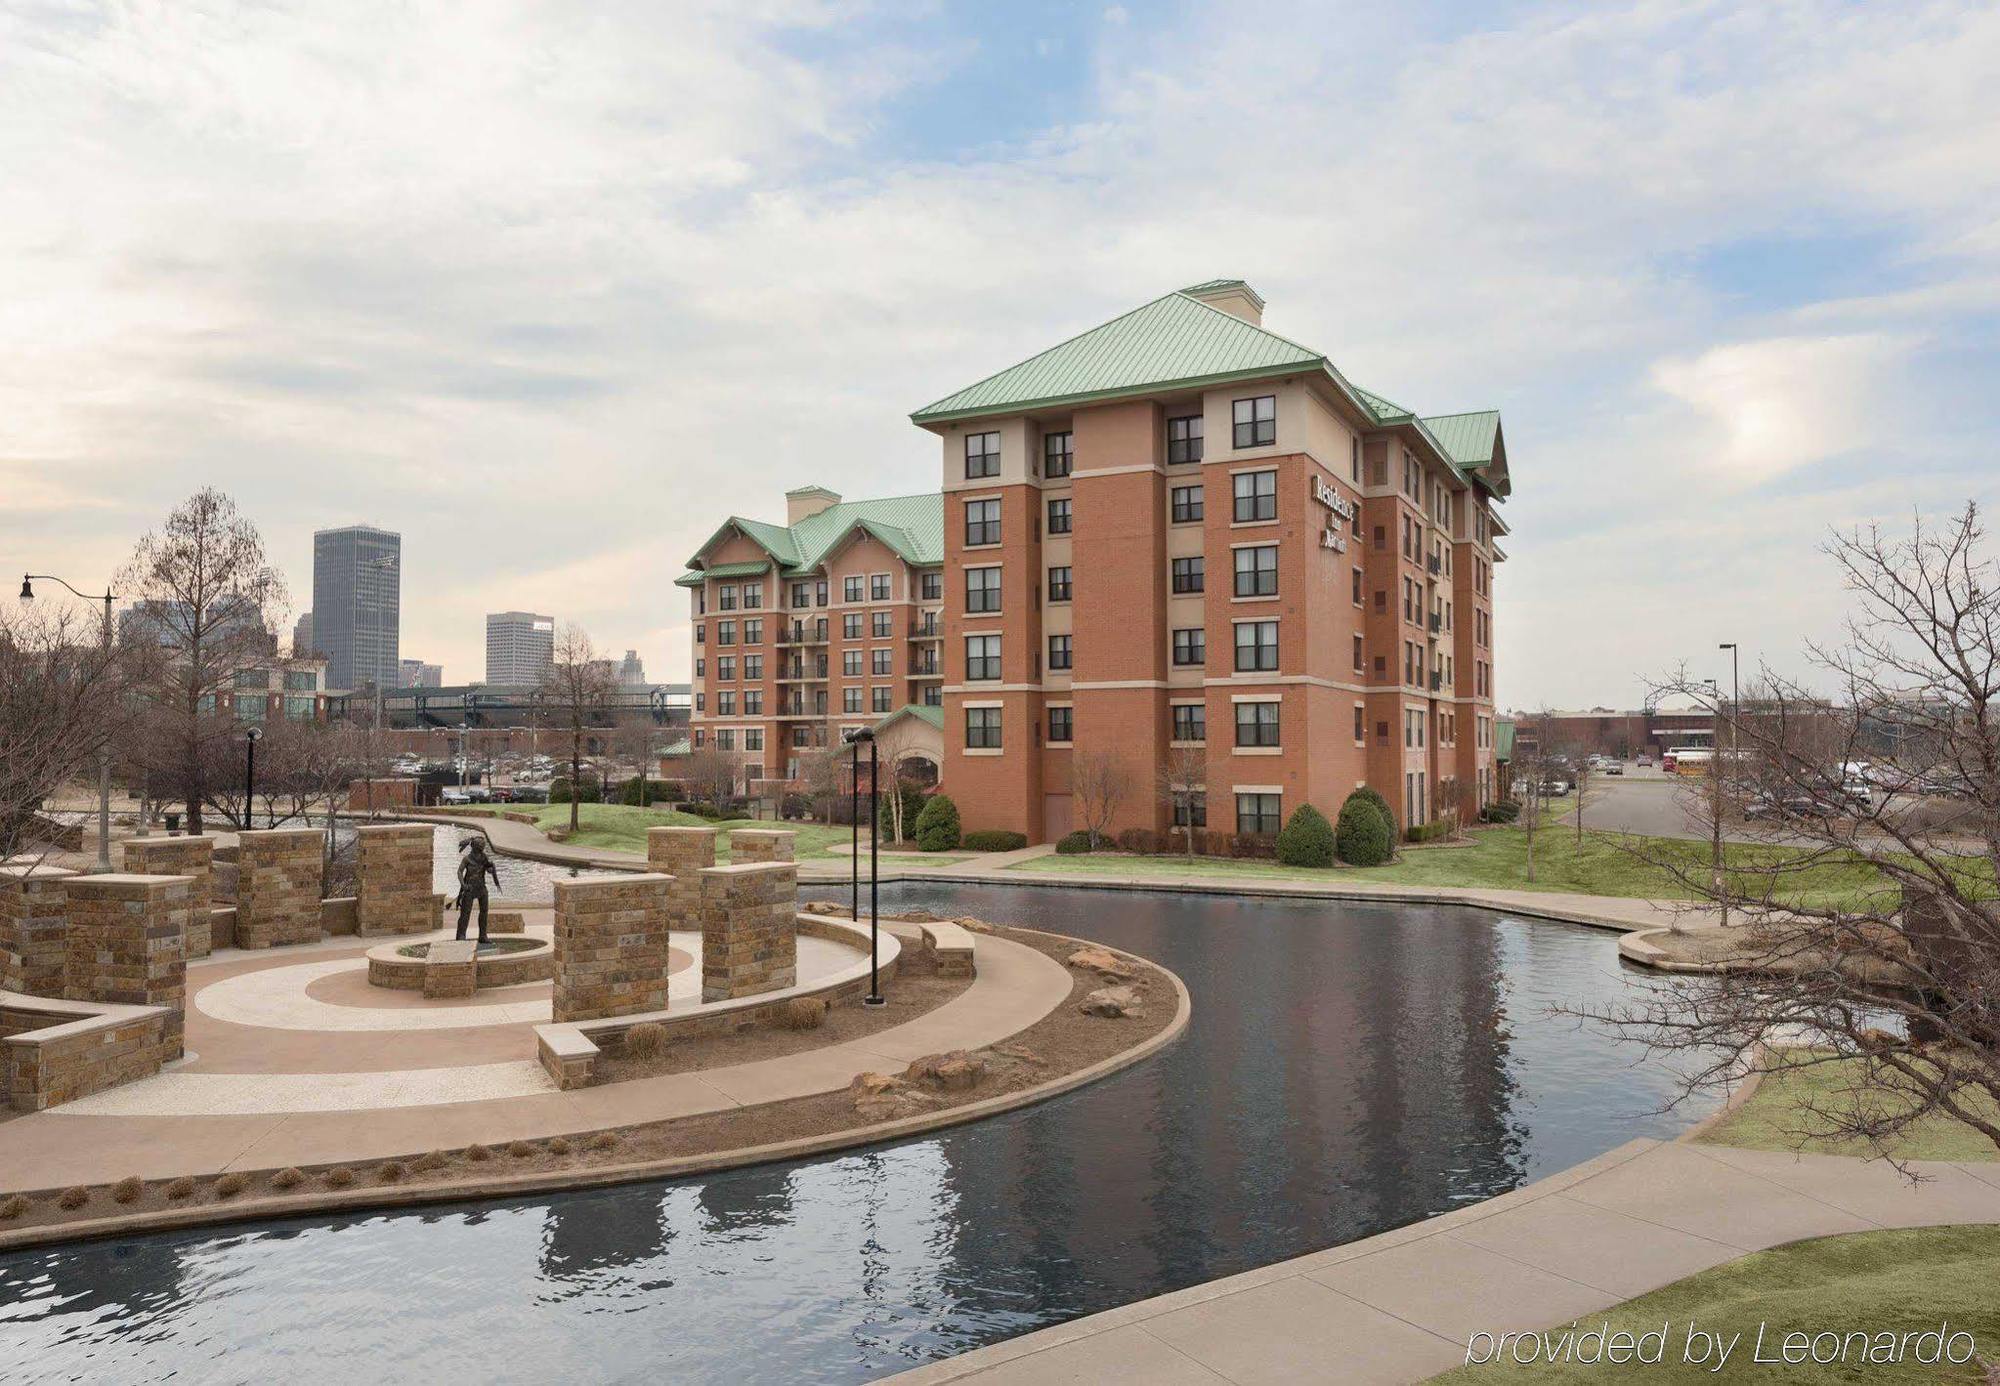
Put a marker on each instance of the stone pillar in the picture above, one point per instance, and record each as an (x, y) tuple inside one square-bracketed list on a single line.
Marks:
[(127, 944), (749, 929), (682, 853), (611, 947), (193, 857), (32, 915), (761, 844), (393, 866), (277, 887)]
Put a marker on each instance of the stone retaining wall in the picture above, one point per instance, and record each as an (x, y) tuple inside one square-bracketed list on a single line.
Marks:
[(277, 887), (393, 864), (610, 946), (193, 857), (56, 1051), (32, 914), (749, 929), (761, 844), (127, 945), (682, 853)]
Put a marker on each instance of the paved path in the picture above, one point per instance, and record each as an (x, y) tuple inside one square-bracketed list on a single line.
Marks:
[(1016, 986), (1400, 1307)]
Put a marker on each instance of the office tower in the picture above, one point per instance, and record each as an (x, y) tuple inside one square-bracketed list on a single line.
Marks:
[(520, 646), (357, 605)]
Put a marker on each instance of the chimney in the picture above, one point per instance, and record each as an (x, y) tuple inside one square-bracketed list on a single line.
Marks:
[(1233, 297), (808, 501)]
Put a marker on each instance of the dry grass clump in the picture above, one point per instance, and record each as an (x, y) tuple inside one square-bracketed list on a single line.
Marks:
[(603, 1140), (290, 1177), (645, 1041), (558, 1146), (182, 1187), (520, 1150), (128, 1188), (389, 1171), (799, 1013), (230, 1185), (339, 1177), (476, 1153), (75, 1196), (14, 1206), (424, 1164)]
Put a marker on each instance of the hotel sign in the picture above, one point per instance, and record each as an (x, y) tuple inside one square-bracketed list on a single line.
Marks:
[(1334, 536)]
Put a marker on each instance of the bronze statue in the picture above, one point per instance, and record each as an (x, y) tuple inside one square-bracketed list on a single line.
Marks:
[(474, 866)]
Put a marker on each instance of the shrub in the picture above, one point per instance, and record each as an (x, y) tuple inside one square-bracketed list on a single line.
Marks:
[(180, 1188), (995, 840), (558, 1145), (629, 792), (230, 1185), (1374, 796), (1307, 839), (645, 1041), (75, 1196), (14, 1207), (290, 1177), (477, 1153), (1429, 832), (590, 793), (1501, 811), (800, 1013), (339, 1177), (128, 1189), (1366, 835), (603, 1140), (938, 828), (520, 1150), (1074, 844), (424, 1164)]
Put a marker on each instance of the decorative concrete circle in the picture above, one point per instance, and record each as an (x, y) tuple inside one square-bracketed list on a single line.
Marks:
[(508, 962)]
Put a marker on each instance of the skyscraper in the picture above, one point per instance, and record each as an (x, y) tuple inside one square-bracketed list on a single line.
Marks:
[(417, 674), (520, 646), (632, 673), (302, 635), (357, 605)]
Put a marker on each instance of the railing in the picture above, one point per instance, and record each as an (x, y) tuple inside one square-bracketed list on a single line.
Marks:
[(924, 630), (1437, 682), (924, 668), (1433, 564), (1437, 623)]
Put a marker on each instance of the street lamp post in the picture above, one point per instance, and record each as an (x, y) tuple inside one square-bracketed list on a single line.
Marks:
[(854, 739), (250, 736), (104, 757), (1735, 694)]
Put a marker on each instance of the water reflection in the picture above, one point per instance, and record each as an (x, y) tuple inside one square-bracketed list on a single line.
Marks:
[(1349, 1069)]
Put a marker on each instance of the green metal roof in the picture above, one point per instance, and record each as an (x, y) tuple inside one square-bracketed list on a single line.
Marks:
[(1469, 438), (724, 570), (1216, 286), (1503, 738), (912, 526), (932, 715)]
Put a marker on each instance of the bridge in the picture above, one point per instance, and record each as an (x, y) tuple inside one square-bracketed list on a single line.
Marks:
[(509, 705)]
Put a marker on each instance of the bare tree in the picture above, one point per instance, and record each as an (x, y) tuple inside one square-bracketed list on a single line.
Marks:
[(1576, 755), (711, 775), (59, 703), (819, 770), (205, 600), (1100, 782), (1533, 762), (1894, 968), (1184, 783), (577, 692)]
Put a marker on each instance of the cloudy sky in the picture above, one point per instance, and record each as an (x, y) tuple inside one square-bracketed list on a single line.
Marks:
[(550, 287)]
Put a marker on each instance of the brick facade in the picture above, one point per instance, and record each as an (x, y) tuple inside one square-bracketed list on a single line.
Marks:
[(33, 904), (611, 947), (749, 929), (193, 857), (127, 944), (277, 887), (394, 887), (681, 854)]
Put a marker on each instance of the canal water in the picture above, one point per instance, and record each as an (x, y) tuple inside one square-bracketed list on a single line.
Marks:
[(1350, 1068)]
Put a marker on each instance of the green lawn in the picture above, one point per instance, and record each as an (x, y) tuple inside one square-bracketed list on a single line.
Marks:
[(1903, 1281), (1778, 1115), (622, 827), (1497, 858)]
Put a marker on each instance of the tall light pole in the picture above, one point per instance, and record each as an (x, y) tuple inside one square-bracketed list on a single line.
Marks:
[(104, 757), (854, 740), (250, 736), (1735, 693)]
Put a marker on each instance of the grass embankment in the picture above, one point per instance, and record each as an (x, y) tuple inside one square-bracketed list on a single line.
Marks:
[(1909, 1280), (1785, 1112), (622, 828)]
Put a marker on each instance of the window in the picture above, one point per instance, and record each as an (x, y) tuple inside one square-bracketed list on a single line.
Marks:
[(1357, 587), (753, 632), (982, 455), (1191, 647), (982, 589), (725, 739), (1256, 421), (982, 656), (725, 703), (881, 699), (850, 589), (982, 522), (1257, 571), (700, 667), (1059, 652), (878, 587), (1354, 460), (850, 700), (933, 695), (753, 702), (1187, 575), (1257, 724), (753, 595), (700, 705), (301, 681), (299, 707), (1190, 722), (1256, 496), (698, 633), (1256, 646), (1191, 810), (249, 706), (1184, 439), (982, 728), (1187, 504), (850, 663), (802, 593), (882, 623), (880, 661), (819, 593), (1062, 724), (725, 632), (932, 585), (1360, 655), (725, 667), (1059, 516), (1058, 453), (1257, 814), (725, 598), (850, 626), (1360, 723), (1059, 584)]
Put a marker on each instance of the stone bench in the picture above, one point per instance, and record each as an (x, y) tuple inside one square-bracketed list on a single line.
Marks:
[(952, 947), (566, 1055), (451, 968), (56, 1051)]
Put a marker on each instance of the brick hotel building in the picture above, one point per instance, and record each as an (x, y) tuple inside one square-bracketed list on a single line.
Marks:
[(1179, 540)]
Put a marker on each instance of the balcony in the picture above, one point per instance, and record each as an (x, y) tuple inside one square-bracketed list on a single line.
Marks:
[(1437, 682), (925, 630), (802, 635), (802, 673), (1433, 565), (927, 668), (1437, 623)]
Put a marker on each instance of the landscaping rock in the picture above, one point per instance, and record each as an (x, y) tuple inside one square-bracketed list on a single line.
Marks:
[(1107, 965), (1112, 1003), (881, 1097), (954, 1072), (974, 926)]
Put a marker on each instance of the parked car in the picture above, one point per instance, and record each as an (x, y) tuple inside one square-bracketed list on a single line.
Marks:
[(1858, 794), (454, 795), (1644, 762), (1615, 767), (1766, 804), (1555, 789)]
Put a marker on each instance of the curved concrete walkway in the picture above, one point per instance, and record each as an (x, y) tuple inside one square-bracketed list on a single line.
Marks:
[(1016, 986), (1399, 1307)]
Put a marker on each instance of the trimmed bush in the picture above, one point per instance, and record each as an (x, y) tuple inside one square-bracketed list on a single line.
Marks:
[(558, 1145), (73, 1197), (938, 828), (290, 1177), (799, 1013), (995, 840), (230, 1185), (1074, 844), (128, 1189), (1307, 839), (1366, 835), (1431, 831), (1374, 796), (180, 1188), (628, 792), (589, 794)]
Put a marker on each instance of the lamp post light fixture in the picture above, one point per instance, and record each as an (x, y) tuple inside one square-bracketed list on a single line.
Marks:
[(250, 735), (1735, 693), (104, 757), (854, 740)]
